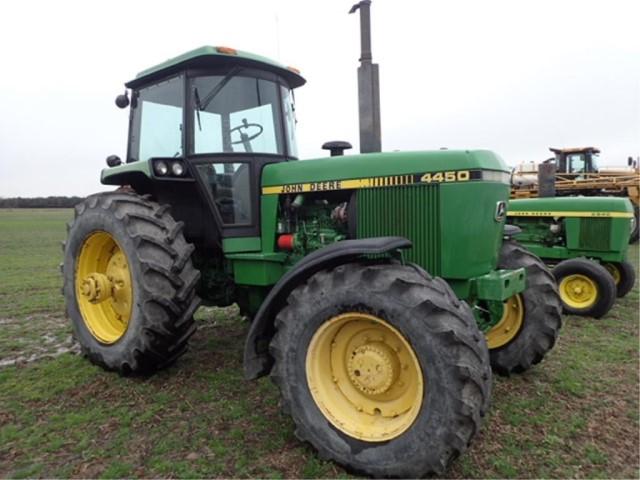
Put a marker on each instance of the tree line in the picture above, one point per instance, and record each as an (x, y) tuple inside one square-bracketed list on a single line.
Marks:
[(40, 202)]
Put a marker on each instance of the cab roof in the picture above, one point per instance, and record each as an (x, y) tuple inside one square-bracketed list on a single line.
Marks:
[(575, 150), (209, 56)]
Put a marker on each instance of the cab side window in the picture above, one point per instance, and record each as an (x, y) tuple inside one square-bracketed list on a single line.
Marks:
[(157, 121)]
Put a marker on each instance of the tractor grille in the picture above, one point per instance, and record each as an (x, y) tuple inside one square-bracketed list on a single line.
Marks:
[(412, 212), (595, 234)]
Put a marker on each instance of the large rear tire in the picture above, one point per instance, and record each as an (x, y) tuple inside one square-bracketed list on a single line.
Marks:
[(382, 369), (586, 287), (129, 283), (530, 321)]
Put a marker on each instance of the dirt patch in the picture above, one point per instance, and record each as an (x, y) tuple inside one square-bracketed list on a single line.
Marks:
[(28, 339)]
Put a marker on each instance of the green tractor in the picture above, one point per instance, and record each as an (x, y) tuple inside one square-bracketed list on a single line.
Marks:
[(381, 288), (585, 240)]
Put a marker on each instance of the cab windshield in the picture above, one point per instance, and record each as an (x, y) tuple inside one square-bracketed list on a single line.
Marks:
[(236, 113)]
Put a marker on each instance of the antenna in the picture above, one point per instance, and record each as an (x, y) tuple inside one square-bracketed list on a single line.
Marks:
[(278, 37)]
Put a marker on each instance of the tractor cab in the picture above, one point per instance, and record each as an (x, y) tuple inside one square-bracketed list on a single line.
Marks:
[(215, 117), (576, 161)]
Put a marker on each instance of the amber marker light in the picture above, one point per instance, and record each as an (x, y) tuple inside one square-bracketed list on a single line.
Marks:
[(227, 50)]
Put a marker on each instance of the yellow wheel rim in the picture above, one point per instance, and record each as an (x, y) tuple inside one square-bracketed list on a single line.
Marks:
[(365, 377), (509, 325), (578, 291), (613, 270), (103, 287)]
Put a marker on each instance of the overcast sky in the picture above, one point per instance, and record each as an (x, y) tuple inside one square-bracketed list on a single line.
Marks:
[(512, 76)]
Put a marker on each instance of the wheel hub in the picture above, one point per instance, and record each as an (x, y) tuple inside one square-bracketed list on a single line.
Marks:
[(373, 368), (96, 287), (578, 291), (509, 325)]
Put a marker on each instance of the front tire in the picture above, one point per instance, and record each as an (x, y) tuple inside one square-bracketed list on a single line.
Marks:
[(382, 368), (531, 320), (586, 287), (129, 283)]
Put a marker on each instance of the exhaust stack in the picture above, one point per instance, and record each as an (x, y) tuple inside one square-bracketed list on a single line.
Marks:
[(368, 85)]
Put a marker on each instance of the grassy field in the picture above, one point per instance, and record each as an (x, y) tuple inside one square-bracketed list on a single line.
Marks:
[(574, 415)]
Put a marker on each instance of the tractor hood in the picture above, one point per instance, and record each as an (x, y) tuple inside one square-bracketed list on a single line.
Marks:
[(381, 169)]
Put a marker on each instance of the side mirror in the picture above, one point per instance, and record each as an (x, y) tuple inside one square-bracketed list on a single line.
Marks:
[(630, 161), (113, 161), (122, 101)]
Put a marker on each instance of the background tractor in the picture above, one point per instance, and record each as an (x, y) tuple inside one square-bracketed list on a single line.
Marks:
[(585, 240), (575, 171), (381, 288)]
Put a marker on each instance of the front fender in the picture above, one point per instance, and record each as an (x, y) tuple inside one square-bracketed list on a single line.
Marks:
[(126, 174), (257, 360)]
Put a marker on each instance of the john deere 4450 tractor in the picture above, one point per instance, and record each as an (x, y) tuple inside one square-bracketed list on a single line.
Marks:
[(381, 288)]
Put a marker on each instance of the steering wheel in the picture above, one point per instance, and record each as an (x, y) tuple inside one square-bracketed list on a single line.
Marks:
[(243, 136)]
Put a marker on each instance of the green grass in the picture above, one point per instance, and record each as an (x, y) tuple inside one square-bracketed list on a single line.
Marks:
[(30, 255), (574, 415), (31, 305)]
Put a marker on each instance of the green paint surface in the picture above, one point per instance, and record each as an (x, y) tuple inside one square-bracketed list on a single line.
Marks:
[(572, 204), (471, 235), (241, 244), (257, 269), (500, 284)]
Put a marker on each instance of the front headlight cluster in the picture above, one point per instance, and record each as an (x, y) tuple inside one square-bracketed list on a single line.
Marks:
[(169, 168)]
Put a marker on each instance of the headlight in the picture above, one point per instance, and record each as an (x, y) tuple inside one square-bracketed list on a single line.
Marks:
[(177, 169), (161, 168)]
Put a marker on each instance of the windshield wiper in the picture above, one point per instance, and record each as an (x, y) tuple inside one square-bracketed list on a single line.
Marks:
[(203, 104), (216, 90), (198, 106)]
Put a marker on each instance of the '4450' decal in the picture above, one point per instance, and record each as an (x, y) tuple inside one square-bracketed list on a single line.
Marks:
[(450, 176)]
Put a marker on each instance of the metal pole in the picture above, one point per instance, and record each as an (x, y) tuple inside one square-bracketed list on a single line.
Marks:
[(547, 180), (368, 85)]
